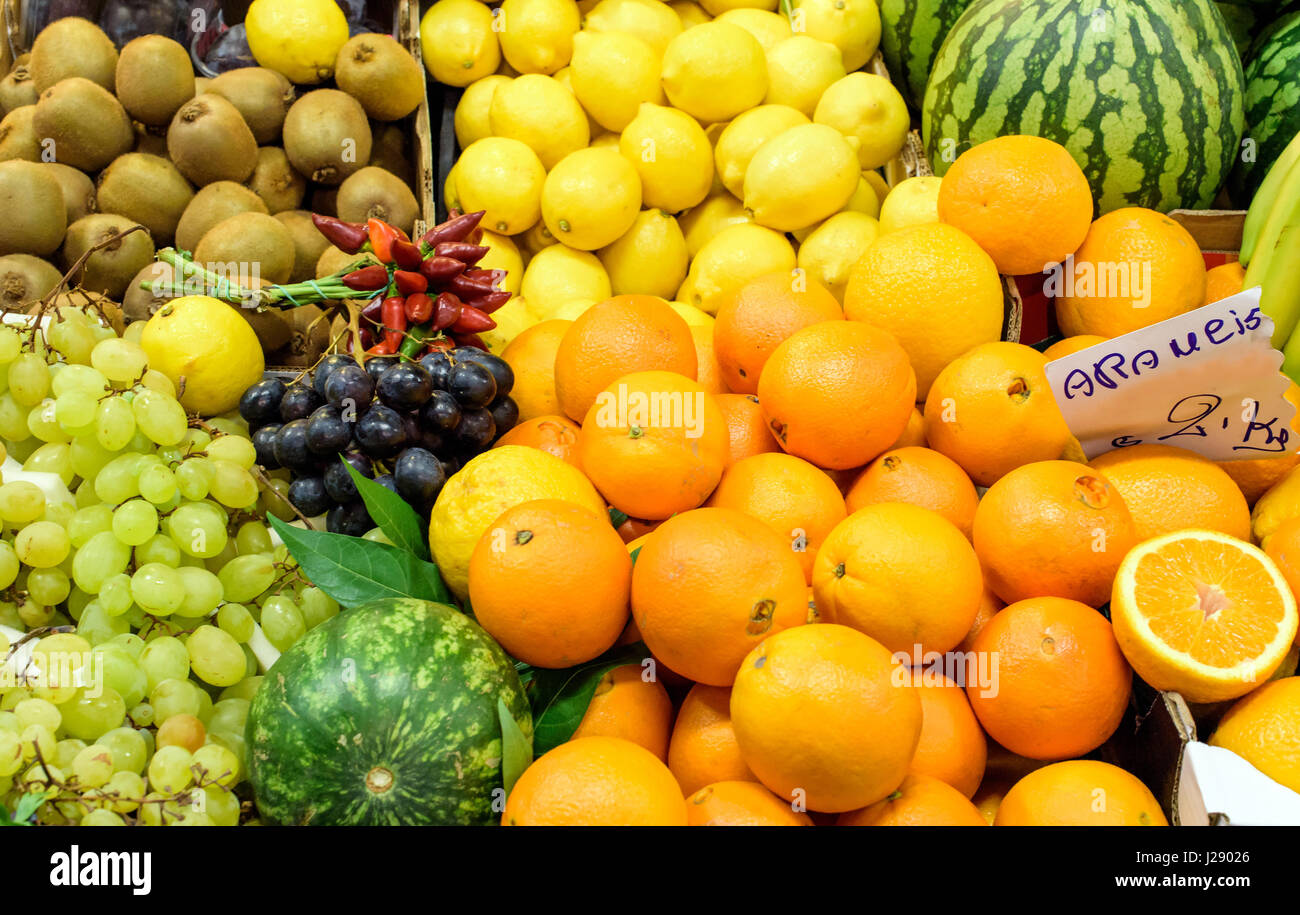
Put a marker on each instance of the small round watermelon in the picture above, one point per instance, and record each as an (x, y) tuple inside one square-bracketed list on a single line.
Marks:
[(385, 715), (1272, 103)]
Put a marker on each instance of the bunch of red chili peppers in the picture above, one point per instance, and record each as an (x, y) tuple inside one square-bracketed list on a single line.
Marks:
[(424, 297)]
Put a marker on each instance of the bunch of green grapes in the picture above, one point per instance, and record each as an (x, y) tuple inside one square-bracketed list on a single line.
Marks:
[(149, 586)]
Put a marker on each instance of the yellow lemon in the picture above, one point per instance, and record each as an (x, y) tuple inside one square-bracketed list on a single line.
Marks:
[(694, 317), (513, 318), (718, 7), (606, 138), (207, 349), (731, 259), (299, 38), (691, 14), (1279, 504), (451, 196), (650, 258), (558, 274), (457, 42), (864, 200), (538, 111), (868, 107), (717, 212), (537, 35), (591, 198), (612, 73), (534, 240), (830, 251), (503, 254), (878, 184), (572, 310), (506, 70), (1263, 728), (799, 70), (651, 21), (564, 77), (912, 202), (472, 111), (486, 486), (671, 154), (715, 71), (503, 177), (768, 27), (741, 138), (800, 177), (853, 26)]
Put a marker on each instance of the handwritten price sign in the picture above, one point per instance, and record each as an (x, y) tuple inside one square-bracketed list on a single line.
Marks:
[(1208, 381)]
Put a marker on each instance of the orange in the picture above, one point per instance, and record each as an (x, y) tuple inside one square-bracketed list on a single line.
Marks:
[(989, 606), (1263, 728), (552, 433), (1136, 267), (931, 287), (1283, 547), (528, 568), (1070, 345), (1023, 199), (1223, 281), (703, 748), (741, 804), (919, 801), (914, 434), (1081, 792), (628, 333), (1060, 685), (709, 585), (904, 575), (837, 393), (1256, 477), (758, 316), (1052, 529), (707, 370), (626, 704), (991, 410), (531, 356), (653, 443), (953, 748), (822, 717), (1202, 613), (746, 426), (917, 476), (1167, 489), (596, 781), (789, 495)]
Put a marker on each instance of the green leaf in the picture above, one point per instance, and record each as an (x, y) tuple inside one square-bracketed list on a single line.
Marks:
[(352, 570), (560, 697), (26, 809), (392, 514), (617, 518), (635, 554), (516, 749)]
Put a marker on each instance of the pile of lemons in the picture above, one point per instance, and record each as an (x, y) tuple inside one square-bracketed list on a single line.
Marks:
[(671, 149)]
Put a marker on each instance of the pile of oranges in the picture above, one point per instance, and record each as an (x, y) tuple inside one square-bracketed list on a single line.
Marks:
[(878, 582)]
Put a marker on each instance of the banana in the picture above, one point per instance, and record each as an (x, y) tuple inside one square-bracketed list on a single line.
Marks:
[(1285, 211), (1291, 358), (1266, 197), (1280, 296)]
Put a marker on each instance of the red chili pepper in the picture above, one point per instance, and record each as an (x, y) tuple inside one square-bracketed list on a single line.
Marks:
[(349, 237), (474, 282), (393, 313), (472, 321), (473, 340), (419, 308), (456, 228), (385, 347), (439, 345), (446, 311), (367, 279), (373, 311), (382, 236), (469, 254), (490, 302), (440, 269), (406, 254), (409, 282)]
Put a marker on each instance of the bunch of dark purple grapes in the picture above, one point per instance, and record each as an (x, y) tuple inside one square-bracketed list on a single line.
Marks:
[(406, 425)]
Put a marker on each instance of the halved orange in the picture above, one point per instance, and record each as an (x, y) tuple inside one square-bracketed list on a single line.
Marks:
[(1202, 613)]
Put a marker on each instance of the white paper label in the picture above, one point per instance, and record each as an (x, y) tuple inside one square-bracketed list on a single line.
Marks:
[(1208, 381)]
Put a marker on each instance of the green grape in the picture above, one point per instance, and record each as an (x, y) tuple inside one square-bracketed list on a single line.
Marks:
[(48, 586), (114, 424), (157, 588), (245, 689), (316, 606), (119, 360), (134, 331), (38, 737), (159, 417), (59, 513), (140, 443), (98, 627), (169, 770), (251, 664), (115, 595), (205, 703), (142, 714), (197, 530), (195, 440), (135, 521), (376, 535), (245, 577), (152, 809), (102, 557), (35, 615), (203, 592), (275, 500), (131, 643), (29, 380), (119, 479), (221, 805), (11, 697), (102, 818), (21, 502), (232, 485), (72, 339), (282, 622), (93, 766), (88, 717), (38, 711), (42, 544), (235, 620), (165, 658), (218, 562), (9, 566), (193, 477), (126, 787), (81, 379), (13, 420), (10, 344), (157, 484), (234, 448), (89, 521), (76, 411), (175, 697), (215, 656), (88, 457), (11, 753), (52, 457), (42, 423), (253, 537), (66, 751), (158, 548), (230, 714), (122, 672), (78, 600), (155, 380)]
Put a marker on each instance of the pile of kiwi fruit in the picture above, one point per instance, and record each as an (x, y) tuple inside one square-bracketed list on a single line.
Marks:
[(97, 140)]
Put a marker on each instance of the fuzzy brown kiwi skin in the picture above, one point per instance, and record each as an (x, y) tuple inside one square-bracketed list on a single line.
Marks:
[(35, 215), (375, 193), (381, 74), (17, 89), (78, 189), (209, 141), (327, 136), (262, 96), (308, 243), (248, 238), (18, 139), (276, 181), (212, 204), (110, 269), (147, 189), (154, 79), (85, 125), (73, 46), (25, 279)]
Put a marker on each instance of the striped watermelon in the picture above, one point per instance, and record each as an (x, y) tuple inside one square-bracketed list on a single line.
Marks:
[(1242, 21), (1272, 103), (911, 34), (1147, 95)]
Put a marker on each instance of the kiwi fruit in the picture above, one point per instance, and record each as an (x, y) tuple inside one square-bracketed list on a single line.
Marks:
[(335, 259), (276, 181), (249, 238), (109, 269), (17, 89), (139, 304), (154, 78), (78, 190), (32, 203), (308, 244), (375, 193), (73, 46), (262, 97), (389, 152), (325, 200), (148, 142), (86, 124), (147, 189), (209, 141), (18, 138), (214, 203), (381, 75), (327, 136), (25, 279)]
